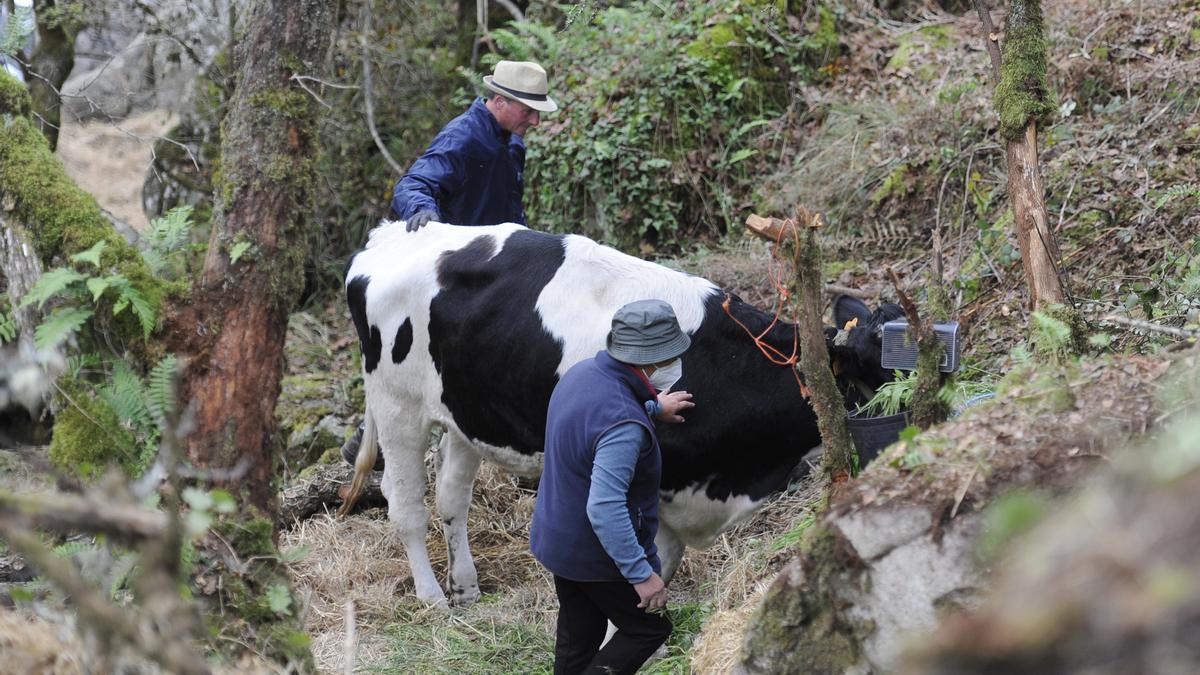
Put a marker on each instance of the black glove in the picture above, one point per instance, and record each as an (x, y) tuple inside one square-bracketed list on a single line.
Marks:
[(419, 219)]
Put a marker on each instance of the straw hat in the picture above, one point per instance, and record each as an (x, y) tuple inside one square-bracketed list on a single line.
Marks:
[(524, 81)]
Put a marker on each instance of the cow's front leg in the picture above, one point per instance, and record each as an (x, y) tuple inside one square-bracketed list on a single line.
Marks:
[(670, 550), (404, 486), (456, 475)]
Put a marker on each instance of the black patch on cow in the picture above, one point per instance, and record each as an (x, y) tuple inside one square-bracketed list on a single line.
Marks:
[(369, 339), (403, 343), (750, 425), (496, 361)]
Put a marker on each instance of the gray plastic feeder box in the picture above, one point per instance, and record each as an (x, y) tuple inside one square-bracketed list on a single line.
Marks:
[(900, 350)]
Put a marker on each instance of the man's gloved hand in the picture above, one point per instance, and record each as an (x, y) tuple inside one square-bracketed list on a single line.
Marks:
[(419, 219)]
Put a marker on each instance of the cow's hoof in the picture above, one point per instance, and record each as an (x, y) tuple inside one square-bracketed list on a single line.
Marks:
[(465, 596)]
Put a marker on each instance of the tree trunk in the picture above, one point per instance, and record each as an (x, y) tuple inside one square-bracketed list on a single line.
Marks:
[(51, 62), (1039, 252), (233, 331)]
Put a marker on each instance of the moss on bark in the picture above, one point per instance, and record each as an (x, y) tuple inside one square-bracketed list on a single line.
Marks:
[(798, 628), (62, 218), (1023, 94)]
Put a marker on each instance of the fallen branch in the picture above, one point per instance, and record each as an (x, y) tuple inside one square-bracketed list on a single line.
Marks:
[(70, 513), (1146, 325), (326, 486)]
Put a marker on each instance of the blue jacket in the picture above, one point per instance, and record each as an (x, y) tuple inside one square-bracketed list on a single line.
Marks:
[(471, 174), (593, 397)]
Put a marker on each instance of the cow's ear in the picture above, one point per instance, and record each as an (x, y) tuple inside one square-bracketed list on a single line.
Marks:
[(847, 308)]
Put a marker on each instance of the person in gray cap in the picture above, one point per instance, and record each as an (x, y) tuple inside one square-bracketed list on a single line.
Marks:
[(597, 505)]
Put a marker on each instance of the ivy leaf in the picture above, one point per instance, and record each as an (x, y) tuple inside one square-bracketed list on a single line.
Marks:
[(279, 600), (51, 284), (91, 255), (239, 249), (59, 326)]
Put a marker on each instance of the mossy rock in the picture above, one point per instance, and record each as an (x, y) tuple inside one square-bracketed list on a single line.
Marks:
[(14, 97), (308, 418), (88, 435)]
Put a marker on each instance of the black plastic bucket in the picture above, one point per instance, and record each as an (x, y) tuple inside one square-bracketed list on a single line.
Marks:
[(872, 434)]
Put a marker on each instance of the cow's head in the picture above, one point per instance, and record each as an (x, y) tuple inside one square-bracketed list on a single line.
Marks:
[(856, 346)]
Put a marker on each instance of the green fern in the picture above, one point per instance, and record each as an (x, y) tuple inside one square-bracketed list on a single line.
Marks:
[(18, 29), (128, 398), (166, 241), (60, 325), (160, 388), (52, 283), (8, 326), (92, 255), (73, 548), (1180, 191)]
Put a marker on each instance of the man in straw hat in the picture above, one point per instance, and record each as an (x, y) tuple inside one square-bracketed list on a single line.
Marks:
[(473, 172), (597, 505)]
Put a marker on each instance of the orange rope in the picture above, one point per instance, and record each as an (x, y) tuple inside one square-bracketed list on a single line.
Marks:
[(769, 351)]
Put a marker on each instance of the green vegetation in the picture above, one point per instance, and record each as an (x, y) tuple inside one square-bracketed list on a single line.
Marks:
[(441, 644), (663, 119)]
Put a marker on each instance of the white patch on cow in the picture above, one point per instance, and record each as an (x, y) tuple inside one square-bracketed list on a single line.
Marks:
[(697, 519), (594, 281)]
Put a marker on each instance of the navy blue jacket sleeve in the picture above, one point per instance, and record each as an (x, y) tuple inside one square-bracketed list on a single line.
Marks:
[(435, 175)]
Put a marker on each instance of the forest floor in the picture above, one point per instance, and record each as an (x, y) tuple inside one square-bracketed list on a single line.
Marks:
[(910, 107)]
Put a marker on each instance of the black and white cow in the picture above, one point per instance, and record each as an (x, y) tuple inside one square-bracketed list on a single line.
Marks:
[(470, 328)]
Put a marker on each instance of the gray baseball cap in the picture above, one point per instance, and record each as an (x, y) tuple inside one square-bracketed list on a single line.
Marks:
[(646, 332)]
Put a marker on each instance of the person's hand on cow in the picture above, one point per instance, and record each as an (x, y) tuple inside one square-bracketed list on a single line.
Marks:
[(419, 219), (653, 593), (673, 403)]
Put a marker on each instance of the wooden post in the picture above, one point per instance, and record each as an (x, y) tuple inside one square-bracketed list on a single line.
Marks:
[(800, 238)]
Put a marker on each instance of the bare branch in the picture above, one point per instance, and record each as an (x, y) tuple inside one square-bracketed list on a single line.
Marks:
[(990, 36), (70, 513), (367, 95)]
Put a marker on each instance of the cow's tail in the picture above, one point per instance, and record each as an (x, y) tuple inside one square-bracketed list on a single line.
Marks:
[(368, 450)]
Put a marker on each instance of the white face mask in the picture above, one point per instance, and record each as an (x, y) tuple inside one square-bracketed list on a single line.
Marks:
[(665, 377)]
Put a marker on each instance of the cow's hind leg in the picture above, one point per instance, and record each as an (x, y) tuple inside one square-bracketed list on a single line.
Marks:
[(403, 484), (456, 474)]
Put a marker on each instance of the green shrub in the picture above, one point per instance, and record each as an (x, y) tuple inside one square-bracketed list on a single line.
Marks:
[(662, 118)]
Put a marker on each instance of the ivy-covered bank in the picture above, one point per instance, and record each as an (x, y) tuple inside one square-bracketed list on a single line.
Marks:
[(666, 113)]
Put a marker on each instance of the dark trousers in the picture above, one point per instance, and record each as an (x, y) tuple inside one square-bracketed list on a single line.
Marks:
[(584, 610)]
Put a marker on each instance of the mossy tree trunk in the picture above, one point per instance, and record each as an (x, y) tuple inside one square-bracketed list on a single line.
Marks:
[(51, 62), (233, 330), (839, 460), (1023, 101)]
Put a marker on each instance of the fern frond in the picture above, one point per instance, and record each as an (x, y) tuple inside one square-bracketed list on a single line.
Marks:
[(17, 30), (8, 326), (72, 548), (160, 387), (91, 255), (60, 325), (128, 397), (1180, 191), (51, 284)]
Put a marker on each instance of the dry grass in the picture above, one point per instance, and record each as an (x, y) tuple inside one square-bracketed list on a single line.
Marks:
[(360, 559), (31, 644)]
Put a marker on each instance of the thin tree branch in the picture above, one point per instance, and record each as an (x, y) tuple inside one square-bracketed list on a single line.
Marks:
[(69, 513), (990, 36), (368, 98)]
